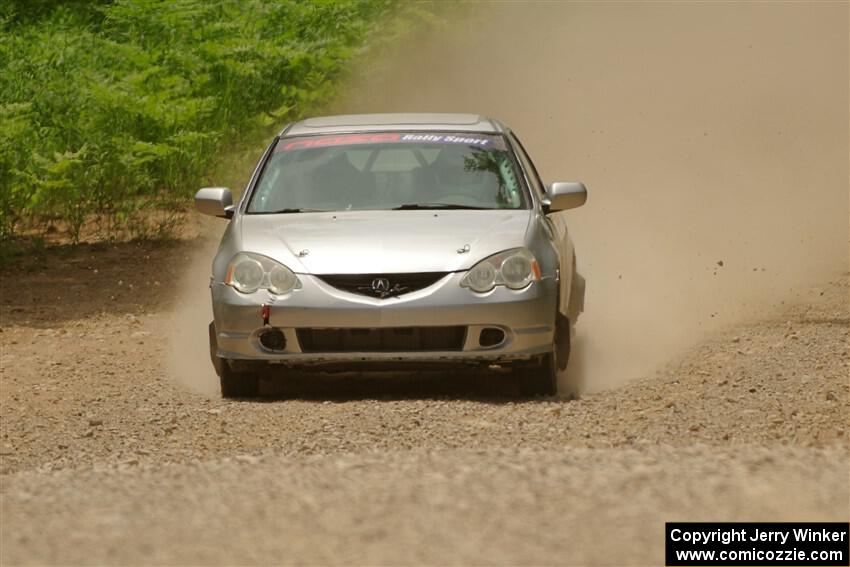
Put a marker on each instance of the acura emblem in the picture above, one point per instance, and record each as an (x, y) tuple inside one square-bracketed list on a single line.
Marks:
[(380, 285)]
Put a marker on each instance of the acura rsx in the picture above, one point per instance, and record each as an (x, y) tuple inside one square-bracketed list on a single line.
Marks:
[(394, 240)]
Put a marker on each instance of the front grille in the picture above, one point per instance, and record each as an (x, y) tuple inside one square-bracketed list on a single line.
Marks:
[(390, 339), (382, 285)]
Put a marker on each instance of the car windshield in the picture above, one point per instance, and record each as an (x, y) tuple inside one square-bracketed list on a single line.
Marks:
[(388, 170)]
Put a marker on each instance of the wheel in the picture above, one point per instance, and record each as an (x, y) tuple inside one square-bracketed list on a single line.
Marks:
[(542, 379), (570, 380), (563, 335), (217, 362), (538, 379), (234, 384), (238, 384)]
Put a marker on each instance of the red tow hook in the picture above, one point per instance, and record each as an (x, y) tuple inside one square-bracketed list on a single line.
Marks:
[(264, 312)]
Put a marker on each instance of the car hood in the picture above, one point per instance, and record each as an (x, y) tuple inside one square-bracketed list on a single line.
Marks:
[(372, 242)]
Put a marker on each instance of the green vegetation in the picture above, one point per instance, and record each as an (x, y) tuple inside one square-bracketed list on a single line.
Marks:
[(108, 109)]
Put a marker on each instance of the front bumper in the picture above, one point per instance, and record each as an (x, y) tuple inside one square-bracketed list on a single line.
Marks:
[(526, 316)]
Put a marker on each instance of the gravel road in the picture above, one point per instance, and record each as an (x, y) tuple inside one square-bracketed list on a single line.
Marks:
[(105, 460), (715, 343)]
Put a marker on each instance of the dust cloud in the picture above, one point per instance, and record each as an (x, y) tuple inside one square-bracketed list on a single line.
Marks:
[(188, 358), (713, 139)]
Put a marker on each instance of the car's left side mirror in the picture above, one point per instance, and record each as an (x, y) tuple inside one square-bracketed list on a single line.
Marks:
[(215, 201), (565, 195)]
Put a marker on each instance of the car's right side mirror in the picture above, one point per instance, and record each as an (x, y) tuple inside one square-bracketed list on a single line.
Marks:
[(565, 195)]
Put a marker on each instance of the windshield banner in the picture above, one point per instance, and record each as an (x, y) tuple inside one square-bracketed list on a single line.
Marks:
[(439, 138)]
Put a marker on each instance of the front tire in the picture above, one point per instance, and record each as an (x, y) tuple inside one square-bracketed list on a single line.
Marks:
[(234, 384), (238, 384), (217, 362), (540, 379)]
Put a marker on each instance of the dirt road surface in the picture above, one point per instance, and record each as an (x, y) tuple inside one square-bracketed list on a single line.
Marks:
[(716, 392)]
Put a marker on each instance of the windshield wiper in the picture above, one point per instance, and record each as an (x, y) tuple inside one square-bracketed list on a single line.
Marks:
[(289, 211), (426, 206)]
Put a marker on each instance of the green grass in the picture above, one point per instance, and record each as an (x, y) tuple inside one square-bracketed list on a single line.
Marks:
[(109, 108)]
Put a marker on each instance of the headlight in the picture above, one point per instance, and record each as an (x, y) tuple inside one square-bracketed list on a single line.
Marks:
[(512, 268), (481, 278), (249, 272), (247, 275), (517, 270), (282, 280)]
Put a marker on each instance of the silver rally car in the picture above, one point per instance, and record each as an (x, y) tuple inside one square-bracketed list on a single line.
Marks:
[(394, 240)]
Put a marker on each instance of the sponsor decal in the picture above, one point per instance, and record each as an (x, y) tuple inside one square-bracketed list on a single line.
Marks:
[(319, 141), (447, 139), (340, 140)]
